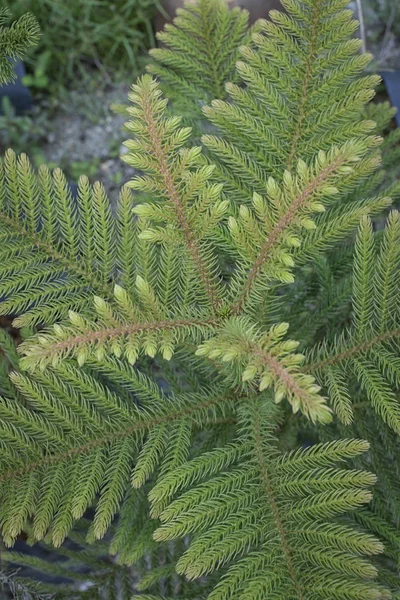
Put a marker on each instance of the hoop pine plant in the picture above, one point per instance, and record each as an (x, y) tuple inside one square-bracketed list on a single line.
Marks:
[(208, 381)]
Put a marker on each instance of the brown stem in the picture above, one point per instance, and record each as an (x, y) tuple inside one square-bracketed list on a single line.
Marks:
[(173, 195), (270, 493), (281, 373), (356, 349), (283, 223), (102, 335)]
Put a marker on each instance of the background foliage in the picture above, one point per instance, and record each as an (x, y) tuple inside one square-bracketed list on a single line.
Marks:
[(95, 34)]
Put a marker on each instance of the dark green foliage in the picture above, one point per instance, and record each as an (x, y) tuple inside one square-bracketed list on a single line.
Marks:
[(21, 588), (15, 40), (24, 131), (199, 53), (78, 37)]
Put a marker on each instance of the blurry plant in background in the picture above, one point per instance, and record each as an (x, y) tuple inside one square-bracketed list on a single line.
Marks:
[(88, 48), (382, 23), (25, 34), (23, 131), (112, 36), (39, 79)]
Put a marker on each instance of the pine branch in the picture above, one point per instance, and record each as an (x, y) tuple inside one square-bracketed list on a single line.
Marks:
[(84, 338), (156, 407), (14, 41), (44, 249), (352, 350), (315, 186), (280, 489), (258, 441), (367, 347), (210, 31), (249, 355), (161, 140), (307, 69), (102, 458)]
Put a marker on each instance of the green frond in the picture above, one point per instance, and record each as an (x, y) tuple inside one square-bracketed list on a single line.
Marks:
[(266, 237), (337, 223), (368, 350), (8, 360), (121, 329), (363, 282), (252, 357), (97, 228), (387, 289), (378, 526), (76, 443), (198, 54), (130, 249), (303, 89), (191, 208), (339, 394), (45, 249), (155, 575), (133, 535), (14, 41), (277, 521)]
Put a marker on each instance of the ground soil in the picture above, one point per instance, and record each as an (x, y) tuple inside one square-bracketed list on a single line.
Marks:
[(85, 132)]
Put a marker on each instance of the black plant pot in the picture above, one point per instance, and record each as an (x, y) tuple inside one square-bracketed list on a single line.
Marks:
[(392, 83), (19, 95)]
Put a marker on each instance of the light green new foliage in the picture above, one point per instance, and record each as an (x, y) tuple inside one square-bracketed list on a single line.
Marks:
[(214, 367)]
